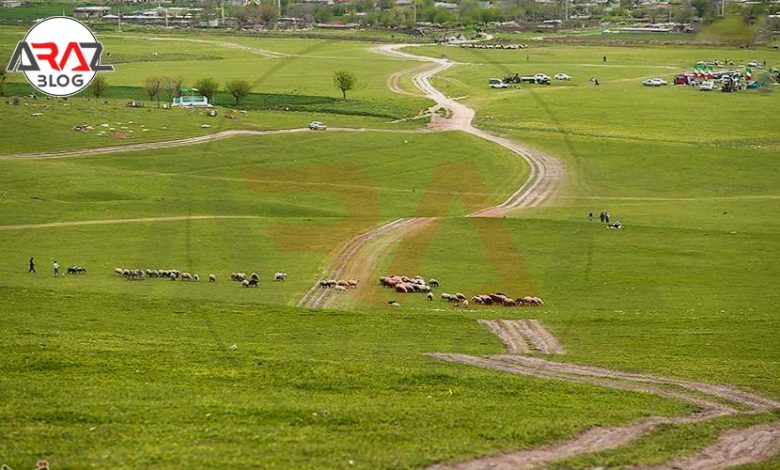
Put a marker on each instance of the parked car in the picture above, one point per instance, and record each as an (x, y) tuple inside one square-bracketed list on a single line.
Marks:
[(755, 64), (317, 126), (498, 83), (707, 85), (542, 78), (655, 82), (561, 76)]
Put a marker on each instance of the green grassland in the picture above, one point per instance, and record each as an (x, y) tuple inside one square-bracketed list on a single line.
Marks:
[(308, 194), (101, 371), (288, 91), (684, 289)]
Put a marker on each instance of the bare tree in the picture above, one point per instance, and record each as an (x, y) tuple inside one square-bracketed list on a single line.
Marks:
[(153, 87)]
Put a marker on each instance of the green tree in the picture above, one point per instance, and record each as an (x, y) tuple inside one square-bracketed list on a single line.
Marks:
[(344, 81), (238, 88), (153, 87), (207, 87), (98, 86), (3, 76), (171, 86)]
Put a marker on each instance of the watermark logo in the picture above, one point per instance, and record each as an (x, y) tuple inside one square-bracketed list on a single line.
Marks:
[(59, 56)]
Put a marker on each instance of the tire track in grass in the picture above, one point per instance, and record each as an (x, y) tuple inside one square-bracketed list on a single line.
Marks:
[(733, 447)]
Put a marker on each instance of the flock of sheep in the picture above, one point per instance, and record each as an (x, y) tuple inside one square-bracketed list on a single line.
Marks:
[(417, 284), (173, 274), (341, 285)]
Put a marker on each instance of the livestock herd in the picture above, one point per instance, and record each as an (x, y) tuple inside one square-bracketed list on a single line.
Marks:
[(341, 285), (253, 280), (417, 284)]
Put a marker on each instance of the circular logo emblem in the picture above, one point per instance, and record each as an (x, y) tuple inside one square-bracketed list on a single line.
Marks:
[(59, 56)]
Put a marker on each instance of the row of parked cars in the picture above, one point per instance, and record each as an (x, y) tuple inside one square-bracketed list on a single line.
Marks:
[(539, 79)]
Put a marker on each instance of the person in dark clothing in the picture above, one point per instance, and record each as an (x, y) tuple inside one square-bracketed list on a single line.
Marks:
[(606, 217), (32, 265), (601, 217), (605, 59), (590, 216)]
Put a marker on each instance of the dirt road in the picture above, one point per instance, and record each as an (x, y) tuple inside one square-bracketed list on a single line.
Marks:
[(353, 260), (733, 447)]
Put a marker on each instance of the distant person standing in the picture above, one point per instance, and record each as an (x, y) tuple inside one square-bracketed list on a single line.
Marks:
[(601, 217), (56, 267), (32, 265), (606, 217), (605, 59), (590, 216)]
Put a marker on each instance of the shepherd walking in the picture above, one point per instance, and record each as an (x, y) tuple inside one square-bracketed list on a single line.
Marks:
[(32, 265)]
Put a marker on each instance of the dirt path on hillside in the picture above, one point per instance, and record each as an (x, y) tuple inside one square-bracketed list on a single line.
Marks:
[(354, 259), (187, 141), (228, 45), (733, 447), (137, 220)]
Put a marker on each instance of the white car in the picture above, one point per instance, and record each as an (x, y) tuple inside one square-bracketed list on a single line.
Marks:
[(755, 64), (540, 78), (707, 86), (498, 83), (317, 126), (655, 82), (562, 76)]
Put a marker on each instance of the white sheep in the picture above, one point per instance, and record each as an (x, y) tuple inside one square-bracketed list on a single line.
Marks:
[(341, 289), (195, 277), (212, 278), (280, 277)]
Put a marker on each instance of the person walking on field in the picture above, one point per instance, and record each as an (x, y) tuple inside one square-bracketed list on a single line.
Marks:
[(601, 217), (605, 59), (32, 265), (606, 217), (56, 267), (590, 216)]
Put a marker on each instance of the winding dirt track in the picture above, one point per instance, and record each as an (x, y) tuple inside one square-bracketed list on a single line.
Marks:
[(355, 260), (733, 447), (165, 144)]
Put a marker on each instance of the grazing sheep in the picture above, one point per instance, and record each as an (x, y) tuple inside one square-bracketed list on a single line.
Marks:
[(433, 282), (240, 277), (463, 303), (118, 271), (252, 282), (212, 278), (341, 289), (393, 303), (343, 283), (280, 276), (195, 277), (429, 297), (447, 297), (245, 283), (401, 289), (353, 283), (255, 277), (324, 284), (460, 296), (77, 270), (186, 276)]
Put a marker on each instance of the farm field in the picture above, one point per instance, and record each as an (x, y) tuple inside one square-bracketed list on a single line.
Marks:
[(144, 373)]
